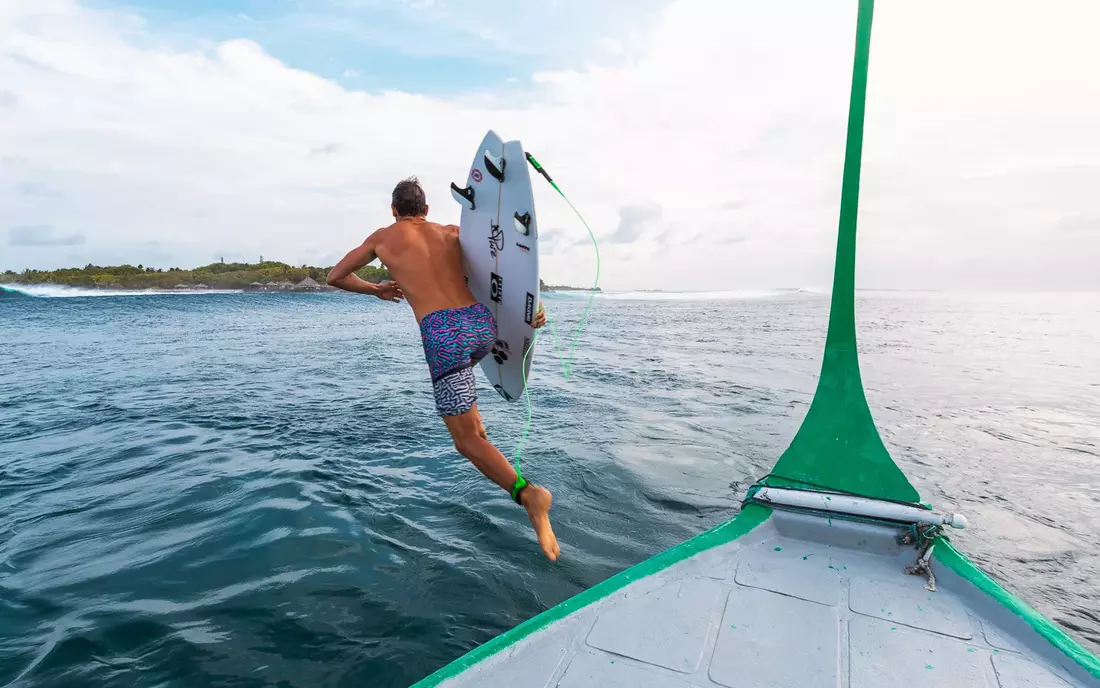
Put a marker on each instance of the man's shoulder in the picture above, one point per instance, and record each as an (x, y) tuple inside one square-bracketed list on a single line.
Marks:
[(380, 233)]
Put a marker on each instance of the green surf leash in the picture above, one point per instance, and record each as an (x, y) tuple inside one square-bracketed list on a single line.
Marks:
[(567, 360)]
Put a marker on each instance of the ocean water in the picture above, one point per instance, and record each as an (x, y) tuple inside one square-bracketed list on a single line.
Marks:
[(253, 490)]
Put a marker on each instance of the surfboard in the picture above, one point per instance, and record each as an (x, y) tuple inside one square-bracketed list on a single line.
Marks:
[(499, 238)]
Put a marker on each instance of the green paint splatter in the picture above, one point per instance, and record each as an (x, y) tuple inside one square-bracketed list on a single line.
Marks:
[(996, 652), (969, 649), (893, 628), (733, 626), (828, 499), (805, 557), (778, 549), (612, 661), (919, 609), (927, 666)]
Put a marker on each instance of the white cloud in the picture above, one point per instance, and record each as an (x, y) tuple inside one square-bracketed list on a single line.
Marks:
[(982, 154), (41, 235)]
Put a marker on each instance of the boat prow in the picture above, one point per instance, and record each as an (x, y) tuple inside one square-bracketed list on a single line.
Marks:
[(833, 573), (784, 597)]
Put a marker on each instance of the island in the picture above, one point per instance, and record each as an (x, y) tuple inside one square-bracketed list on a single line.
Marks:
[(265, 276), (543, 286)]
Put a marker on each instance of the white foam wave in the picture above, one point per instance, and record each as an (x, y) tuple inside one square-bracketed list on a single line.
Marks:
[(724, 295), (57, 291)]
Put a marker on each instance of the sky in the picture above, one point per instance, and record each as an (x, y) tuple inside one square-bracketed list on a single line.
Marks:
[(702, 139)]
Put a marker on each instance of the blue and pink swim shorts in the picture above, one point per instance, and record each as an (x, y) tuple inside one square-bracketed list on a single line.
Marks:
[(455, 340)]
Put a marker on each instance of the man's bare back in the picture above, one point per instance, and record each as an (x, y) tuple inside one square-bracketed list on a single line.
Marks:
[(425, 260)]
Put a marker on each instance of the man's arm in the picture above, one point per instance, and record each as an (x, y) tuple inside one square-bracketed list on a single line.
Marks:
[(343, 276)]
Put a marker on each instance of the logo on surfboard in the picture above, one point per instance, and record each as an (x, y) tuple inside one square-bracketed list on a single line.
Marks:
[(496, 240), (496, 287), (529, 309), (500, 351), (475, 174)]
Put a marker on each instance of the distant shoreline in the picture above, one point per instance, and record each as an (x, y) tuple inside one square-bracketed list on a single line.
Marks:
[(544, 287), (259, 277), (265, 276)]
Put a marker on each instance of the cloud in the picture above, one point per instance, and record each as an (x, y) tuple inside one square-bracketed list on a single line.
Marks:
[(41, 235), (218, 146), (37, 189), (634, 220), (1080, 224), (325, 149), (550, 238)]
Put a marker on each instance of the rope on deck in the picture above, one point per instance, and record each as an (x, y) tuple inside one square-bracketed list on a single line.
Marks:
[(923, 535)]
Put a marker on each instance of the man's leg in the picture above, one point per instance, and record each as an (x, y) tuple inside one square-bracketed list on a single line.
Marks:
[(469, 437), (480, 425)]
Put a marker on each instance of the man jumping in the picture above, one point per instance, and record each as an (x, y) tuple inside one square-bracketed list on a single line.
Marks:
[(425, 260)]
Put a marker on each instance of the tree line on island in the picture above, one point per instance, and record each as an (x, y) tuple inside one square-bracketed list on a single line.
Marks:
[(267, 275)]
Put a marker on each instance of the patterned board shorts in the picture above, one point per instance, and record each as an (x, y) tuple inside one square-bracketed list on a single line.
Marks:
[(455, 340)]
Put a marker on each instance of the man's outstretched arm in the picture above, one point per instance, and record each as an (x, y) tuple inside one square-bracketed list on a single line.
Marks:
[(343, 276)]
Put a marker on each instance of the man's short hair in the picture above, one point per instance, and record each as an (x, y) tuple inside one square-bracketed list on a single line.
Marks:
[(408, 198)]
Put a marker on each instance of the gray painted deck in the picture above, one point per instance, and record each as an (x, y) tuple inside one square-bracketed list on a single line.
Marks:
[(800, 601)]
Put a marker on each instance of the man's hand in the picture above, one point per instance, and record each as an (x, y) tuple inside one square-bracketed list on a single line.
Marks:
[(540, 318), (389, 291)]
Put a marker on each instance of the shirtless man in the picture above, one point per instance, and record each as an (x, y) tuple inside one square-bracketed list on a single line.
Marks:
[(425, 259)]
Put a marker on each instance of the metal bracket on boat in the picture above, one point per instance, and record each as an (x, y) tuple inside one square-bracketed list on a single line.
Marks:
[(924, 525), (924, 536)]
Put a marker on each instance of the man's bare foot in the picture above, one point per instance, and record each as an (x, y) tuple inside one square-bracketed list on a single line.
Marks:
[(537, 502)]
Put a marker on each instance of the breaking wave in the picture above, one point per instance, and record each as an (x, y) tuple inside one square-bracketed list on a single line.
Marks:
[(725, 295), (57, 291)]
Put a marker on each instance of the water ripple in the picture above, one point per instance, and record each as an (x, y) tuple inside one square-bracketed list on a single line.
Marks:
[(249, 490)]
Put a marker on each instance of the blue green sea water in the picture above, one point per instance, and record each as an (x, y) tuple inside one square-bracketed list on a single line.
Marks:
[(253, 490)]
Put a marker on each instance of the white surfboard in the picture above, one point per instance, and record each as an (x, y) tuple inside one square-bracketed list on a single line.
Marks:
[(500, 251)]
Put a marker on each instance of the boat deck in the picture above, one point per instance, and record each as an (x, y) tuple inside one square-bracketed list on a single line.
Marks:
[(799, 601)]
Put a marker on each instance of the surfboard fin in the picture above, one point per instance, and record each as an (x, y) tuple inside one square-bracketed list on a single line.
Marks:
[(523, 222), (464, 195), (494, 165)]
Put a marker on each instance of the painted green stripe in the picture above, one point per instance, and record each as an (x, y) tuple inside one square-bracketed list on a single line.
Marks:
[(749, 518), (950, 557), (838, 446)]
